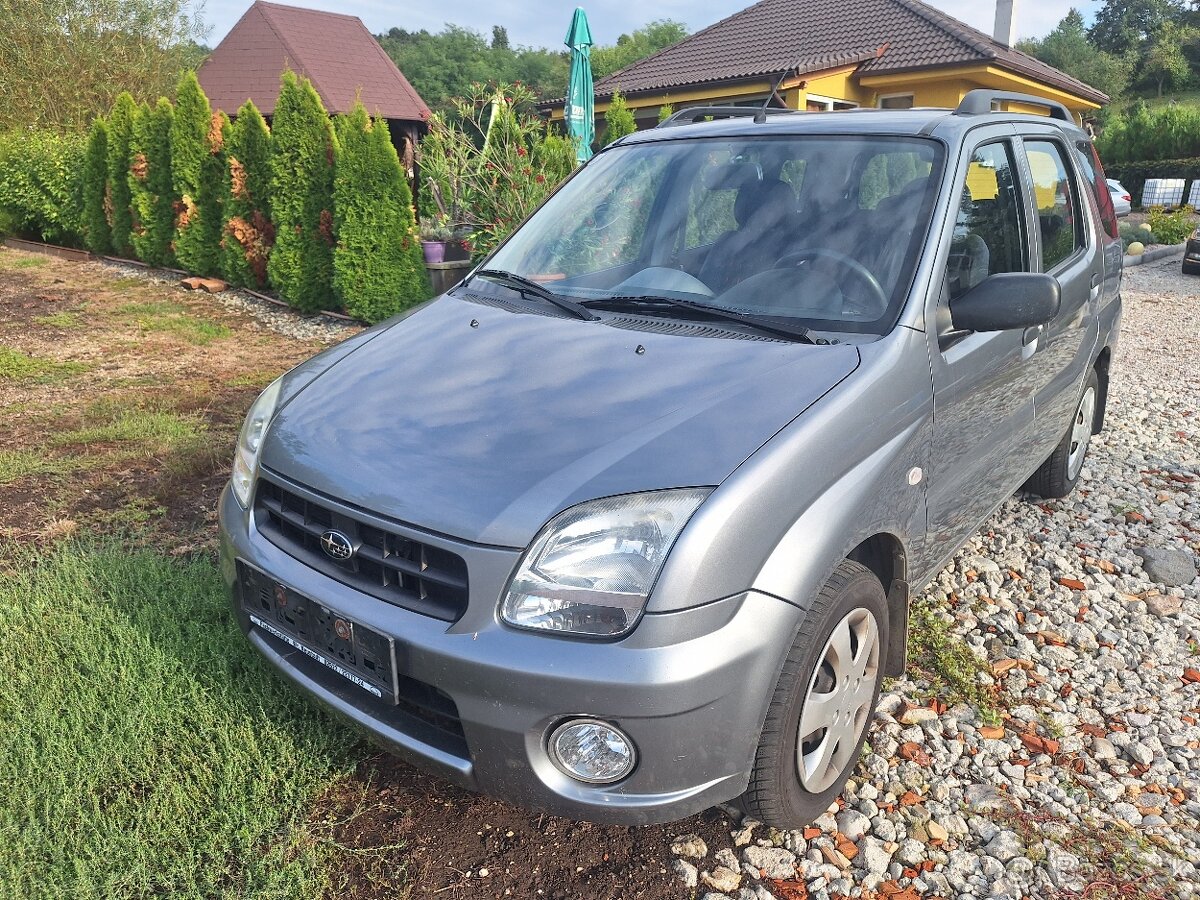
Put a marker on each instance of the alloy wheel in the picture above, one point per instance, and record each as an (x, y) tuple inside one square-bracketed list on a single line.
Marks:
[(1081, 432)]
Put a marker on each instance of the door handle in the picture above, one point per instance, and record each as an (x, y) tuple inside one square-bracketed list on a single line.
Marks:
[(1095, 286), (1029, 336)]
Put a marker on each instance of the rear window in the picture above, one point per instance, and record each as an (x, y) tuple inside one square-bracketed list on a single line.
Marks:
[(1093, 171)]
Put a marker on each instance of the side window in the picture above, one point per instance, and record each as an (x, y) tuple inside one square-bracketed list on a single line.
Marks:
[(988, 234), (1059, 218), (1093, 172)]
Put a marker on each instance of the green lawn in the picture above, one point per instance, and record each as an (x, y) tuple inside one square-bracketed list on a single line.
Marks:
[(145, 750)]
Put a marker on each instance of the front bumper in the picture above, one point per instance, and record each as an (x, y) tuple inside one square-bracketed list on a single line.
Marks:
[(690, 688)]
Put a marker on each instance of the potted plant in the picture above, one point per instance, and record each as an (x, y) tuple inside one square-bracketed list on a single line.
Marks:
[(435, 234)]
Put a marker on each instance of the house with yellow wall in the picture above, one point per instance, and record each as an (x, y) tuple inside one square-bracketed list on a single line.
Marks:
[(833, 54)]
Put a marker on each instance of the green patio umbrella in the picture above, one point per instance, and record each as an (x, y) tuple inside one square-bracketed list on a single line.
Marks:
[(579, 111)]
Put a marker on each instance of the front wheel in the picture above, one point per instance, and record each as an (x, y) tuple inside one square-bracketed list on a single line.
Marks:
[(823, 703), (1059, 474)]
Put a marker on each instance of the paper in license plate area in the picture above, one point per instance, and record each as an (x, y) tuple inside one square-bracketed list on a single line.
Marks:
[(357, 653)]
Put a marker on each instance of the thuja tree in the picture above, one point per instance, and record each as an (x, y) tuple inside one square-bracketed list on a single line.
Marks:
[(248, 234), (120, 136), (301, 263), (95, 188), (150, 184), (378, 267), (197, 220)]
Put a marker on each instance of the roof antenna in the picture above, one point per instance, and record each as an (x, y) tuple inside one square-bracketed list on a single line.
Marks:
[(761, 115)]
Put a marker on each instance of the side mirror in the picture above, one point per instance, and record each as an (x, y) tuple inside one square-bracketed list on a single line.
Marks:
[(1006, 301)]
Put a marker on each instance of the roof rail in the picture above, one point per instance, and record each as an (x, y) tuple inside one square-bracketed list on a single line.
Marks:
[(694, 114), (979, 101)]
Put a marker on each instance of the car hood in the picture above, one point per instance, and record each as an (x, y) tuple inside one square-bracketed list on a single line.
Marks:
[(481, 423)]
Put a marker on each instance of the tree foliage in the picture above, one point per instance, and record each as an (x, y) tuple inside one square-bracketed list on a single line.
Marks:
[(150, 187), (120, 138), (301, 264), (247, 234), (378, 267), (96, 233), (657, 35), (1122, 26), (444, 66), (1143, 134), (194, 142), (62, 62), (618, 120), (41, 185), (1069, 49)]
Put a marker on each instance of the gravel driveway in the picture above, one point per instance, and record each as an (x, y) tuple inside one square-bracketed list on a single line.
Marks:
[(1083, 779)]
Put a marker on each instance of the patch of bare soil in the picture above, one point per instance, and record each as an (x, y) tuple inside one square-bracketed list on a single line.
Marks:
[(401, 829)]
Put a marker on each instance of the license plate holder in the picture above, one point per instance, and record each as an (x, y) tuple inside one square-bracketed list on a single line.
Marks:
[(343, 645)]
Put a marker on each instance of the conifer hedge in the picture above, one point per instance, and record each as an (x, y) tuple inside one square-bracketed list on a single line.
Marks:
[(378, 266), (301, 264), (248, 234), (96, 235), (196, 232), (120, 139), (150, 184)]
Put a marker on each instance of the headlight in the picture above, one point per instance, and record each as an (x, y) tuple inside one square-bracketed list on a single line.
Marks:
[(245, 459), (590, 569)]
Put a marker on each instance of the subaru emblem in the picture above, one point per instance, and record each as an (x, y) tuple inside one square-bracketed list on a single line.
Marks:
[(337, 546)]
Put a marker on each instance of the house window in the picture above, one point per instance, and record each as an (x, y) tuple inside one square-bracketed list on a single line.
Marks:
[(817, 103), (896, 101)]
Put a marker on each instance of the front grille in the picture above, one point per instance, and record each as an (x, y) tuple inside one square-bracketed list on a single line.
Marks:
[(386, 564)]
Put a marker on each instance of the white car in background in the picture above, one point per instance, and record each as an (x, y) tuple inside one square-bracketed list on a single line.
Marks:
[(1122, 201)]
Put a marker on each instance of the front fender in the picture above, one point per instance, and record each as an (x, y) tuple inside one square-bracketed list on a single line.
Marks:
[(835, 476)]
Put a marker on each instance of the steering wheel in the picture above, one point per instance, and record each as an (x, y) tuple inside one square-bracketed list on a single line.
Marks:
[(864, 275)]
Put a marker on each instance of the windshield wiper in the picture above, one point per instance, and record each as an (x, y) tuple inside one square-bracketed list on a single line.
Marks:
[(524, 285), (794, 332)]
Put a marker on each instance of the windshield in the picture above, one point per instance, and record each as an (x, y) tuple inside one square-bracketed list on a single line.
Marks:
[(823, 230)]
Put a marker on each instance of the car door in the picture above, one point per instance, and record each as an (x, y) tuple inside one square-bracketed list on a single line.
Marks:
[(1065, 247), (983, 382)]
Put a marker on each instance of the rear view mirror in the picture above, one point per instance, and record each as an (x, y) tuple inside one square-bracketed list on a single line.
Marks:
[(1006, 301)]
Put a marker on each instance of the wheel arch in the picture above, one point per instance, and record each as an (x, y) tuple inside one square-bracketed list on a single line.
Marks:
[(1103, 361), (884, 555)]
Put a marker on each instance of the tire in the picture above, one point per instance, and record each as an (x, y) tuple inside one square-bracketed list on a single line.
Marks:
[(1059, 474), (779, 794), (1191, 268)]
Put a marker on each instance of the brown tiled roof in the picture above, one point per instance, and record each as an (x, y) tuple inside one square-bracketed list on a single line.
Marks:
[(809, 35), (336, 52)]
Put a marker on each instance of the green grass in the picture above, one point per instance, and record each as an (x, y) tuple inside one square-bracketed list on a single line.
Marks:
[(59, 320), (159, 431), (26, 262), (148, 751), (18, 464), (18, 366), (173, 318)]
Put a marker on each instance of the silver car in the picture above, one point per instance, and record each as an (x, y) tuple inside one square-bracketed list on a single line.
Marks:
[(1121, 199), (628, 524)]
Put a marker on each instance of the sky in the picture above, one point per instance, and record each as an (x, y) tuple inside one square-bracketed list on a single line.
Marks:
[(544, 24)]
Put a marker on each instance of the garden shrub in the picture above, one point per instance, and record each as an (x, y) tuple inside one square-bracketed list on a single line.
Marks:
[(120, 136), (618, 120), (95, 180), (247, 234), (1145, 133), (492, 163), (150, 184), (41, 186), (198, 216), (301, 263), (1171, 227), (378, 267)]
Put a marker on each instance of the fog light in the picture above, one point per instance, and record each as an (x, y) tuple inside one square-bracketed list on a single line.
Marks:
[(592, 751)]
